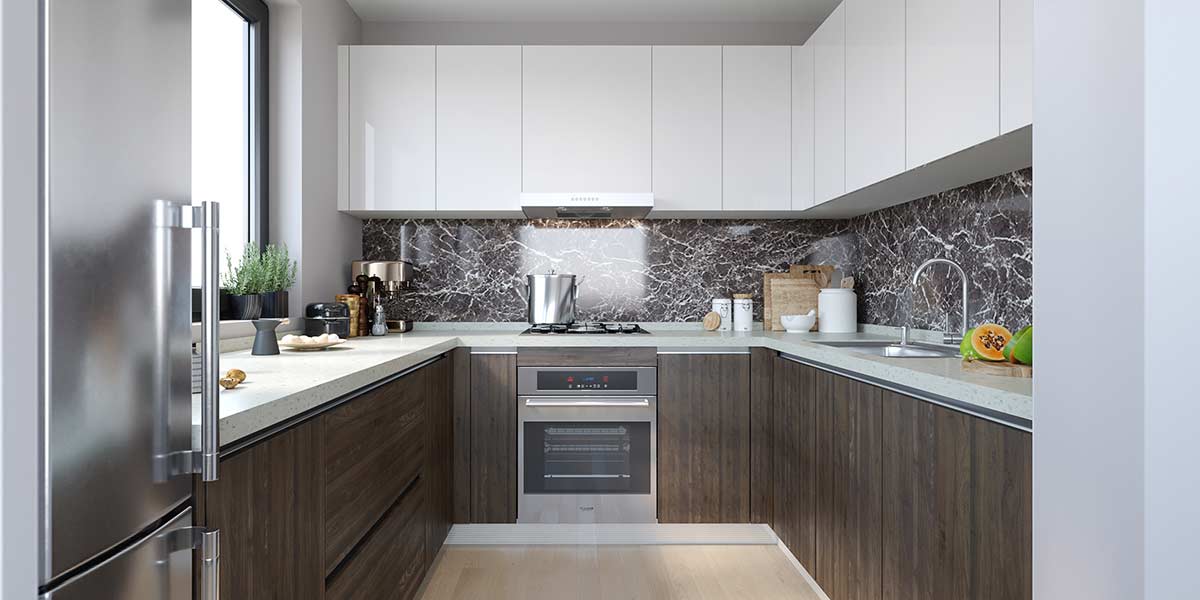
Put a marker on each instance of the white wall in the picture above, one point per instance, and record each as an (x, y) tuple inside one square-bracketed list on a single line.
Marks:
[(1088, 269), (19, 346), (303, 180), (417, 32), (1172, 495)]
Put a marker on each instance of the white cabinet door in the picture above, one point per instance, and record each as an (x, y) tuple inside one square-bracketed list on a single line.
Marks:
[(687, 128), (389, 91), (953, 76), (874, 91), (586, 119), (757, 160), (479, 128), (829, 60), (1016, 64), (803, 121)]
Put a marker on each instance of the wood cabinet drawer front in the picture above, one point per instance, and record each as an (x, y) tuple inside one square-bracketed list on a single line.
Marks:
[(390, 562), (374, 447)]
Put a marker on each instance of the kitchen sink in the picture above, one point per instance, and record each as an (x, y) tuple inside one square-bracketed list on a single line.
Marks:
[(892, 349)]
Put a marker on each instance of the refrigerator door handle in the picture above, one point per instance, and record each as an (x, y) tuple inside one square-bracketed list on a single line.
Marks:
[(207, 217), (208, 542)]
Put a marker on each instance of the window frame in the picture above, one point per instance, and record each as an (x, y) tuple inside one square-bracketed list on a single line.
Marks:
[(255, 14)]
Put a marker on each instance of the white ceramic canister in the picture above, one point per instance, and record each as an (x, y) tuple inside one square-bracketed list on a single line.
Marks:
[(743, 312), (837, 311), (724, 307)]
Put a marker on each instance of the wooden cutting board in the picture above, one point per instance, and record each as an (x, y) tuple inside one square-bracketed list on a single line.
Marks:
[(999, 369), (792, 296), (817, 273)]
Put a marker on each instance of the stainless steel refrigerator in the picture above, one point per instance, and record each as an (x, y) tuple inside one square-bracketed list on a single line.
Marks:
[(119, 444)]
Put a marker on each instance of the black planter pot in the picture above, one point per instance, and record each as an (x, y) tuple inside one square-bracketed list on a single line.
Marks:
[(246, 308), (275, 305)]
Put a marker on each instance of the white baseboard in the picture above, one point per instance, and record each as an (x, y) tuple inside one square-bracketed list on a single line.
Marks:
[(803, 572), (611, 533)]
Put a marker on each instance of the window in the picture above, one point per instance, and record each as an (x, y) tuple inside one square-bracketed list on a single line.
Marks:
[(229, 149)]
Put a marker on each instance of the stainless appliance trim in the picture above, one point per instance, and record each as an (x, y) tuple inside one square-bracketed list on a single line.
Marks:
[(544, 401), (687, 350), (210, 337), (644, 507), (647, 381), (950, 403)]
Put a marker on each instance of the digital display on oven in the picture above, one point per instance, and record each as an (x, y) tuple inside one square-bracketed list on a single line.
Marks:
[(587, 380)]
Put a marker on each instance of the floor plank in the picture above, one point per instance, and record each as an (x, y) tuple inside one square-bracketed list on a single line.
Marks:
[(615, 572)]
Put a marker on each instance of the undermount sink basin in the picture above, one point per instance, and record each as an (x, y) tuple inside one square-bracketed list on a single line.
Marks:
[(894, 349)]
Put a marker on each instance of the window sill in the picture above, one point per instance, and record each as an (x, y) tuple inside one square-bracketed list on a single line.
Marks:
[(239, 329)]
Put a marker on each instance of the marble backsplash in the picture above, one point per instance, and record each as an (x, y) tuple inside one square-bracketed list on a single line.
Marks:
[(669, 270)]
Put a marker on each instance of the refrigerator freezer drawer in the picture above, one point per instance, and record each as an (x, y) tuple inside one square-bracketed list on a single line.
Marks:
[(155, 568)]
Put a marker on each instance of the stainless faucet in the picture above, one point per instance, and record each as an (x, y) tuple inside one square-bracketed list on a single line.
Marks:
[(946, 337)]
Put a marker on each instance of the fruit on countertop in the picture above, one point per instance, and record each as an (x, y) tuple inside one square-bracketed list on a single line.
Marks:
[(985, 342), (1020, 348)]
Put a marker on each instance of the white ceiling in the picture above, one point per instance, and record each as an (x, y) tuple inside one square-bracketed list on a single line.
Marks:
[(596, 11)]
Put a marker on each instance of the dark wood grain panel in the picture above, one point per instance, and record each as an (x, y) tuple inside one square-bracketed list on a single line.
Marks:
[(927, 518), (795, 464), (849, 515), (493, 438), (461, 380), (762, 374), (704, 438), (439, 458), (268, 506), (587, 357), (375, 446), (390, 562), (1002, 465)]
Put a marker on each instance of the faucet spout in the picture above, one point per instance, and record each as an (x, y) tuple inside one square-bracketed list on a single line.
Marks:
[(947, 338)]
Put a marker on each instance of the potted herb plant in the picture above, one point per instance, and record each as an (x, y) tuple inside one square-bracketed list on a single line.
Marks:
[(279, 271), (245, 284)]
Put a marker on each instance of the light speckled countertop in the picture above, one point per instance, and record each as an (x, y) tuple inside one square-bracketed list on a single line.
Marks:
[(281, 387)]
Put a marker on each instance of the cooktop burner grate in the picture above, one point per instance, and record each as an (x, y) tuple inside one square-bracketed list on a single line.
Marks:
[(586, 328)]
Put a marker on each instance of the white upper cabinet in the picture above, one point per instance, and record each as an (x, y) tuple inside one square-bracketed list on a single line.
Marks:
[(874, 91), (389, 137), (829, 61), (1016, 64), (586, 119), (479, 128), (757, 94), (803, 122), (953, 76), (687, 128)]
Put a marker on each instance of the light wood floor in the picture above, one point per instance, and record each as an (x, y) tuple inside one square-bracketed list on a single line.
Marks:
[(615, 573)]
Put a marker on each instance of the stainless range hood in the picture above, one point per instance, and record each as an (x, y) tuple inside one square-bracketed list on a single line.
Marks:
[(587, 206)]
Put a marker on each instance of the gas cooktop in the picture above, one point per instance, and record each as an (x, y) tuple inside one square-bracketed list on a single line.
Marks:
[(585, 328)]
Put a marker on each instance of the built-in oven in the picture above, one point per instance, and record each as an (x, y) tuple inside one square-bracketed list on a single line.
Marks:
[(586, 444)]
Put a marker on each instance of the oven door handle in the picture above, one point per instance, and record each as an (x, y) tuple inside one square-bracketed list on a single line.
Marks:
[(596, 402)]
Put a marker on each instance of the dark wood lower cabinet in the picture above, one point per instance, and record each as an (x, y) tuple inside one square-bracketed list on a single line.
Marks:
[(762, 434), (884, 496), (849, 496), (957, 521), (267, 505), (352, 503), (493, 438), (704, 438)]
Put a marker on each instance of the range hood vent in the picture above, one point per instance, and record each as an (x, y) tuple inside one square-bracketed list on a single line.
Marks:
[(587, 206)]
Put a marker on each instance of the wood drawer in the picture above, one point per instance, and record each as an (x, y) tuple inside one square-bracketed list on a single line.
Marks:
[(374, 448), (390, 562)]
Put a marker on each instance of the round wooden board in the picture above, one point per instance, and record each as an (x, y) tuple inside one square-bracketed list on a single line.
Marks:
[(1000, 369)]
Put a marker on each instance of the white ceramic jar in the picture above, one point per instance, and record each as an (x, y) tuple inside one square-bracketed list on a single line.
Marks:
[(837, 311), (743, 312), (724, 307)]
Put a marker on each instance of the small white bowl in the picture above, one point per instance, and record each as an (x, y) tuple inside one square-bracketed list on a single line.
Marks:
[(798, 323)]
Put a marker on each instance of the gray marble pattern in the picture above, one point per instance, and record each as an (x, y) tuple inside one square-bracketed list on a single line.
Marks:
[(669, 270)]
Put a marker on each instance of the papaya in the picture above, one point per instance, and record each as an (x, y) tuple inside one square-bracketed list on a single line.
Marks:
[(1020, 348), (987, 342), (965, 348)]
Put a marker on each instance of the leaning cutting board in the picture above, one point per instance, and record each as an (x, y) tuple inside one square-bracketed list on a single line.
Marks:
[(818, 273), (792, 296)]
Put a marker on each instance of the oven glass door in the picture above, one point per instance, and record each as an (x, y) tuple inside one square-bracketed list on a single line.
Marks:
[(587, 457)]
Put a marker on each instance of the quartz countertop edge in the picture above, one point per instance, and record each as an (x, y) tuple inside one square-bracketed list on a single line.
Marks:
[(281, 387)]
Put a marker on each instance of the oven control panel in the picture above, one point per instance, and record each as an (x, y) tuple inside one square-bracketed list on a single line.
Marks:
[(589, 380)]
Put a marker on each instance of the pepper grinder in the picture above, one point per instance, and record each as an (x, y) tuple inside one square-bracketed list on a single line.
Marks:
[(379, 327)]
